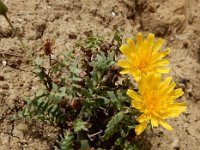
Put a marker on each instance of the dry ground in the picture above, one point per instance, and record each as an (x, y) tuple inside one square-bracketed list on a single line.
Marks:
[(67, 21)]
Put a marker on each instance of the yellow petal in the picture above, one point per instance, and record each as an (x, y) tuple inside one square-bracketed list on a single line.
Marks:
[(154, 121), (134, 95), (179, 106), (139, 39), (165, 53), (150, 40), (149, 78), (123, 63), (136, 104), (157, 79), (175, 110), (126, 50), (162, 62), (165, 83), (134, 73), (140, 128), (136, 77), (160, 55), (170, 87), (165, 125), (152, 79), (163, 70), (157, 45), (143, 118), (142, 85), (176, 93), (132, 46), (125, 71)]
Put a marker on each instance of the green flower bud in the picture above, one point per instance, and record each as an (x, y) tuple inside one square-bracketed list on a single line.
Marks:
[(3, 8)]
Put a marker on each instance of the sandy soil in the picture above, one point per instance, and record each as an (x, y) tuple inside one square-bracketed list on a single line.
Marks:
[(67, 21)]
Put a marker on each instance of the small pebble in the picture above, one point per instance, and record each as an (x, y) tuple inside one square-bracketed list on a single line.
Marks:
[(4, 63), (113, 14)]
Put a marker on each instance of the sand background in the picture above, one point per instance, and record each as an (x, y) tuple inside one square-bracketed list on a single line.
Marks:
[(68, 21)]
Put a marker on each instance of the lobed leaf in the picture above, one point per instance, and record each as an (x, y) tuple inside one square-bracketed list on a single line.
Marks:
[(112, 125)]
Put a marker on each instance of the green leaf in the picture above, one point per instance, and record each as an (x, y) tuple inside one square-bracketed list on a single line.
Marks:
[(85, 93), (42, 75), (39, 93), (76, 79), (54, 87), (111, 95), (95, 78), (85, 145), (93, 42), (66, 143), (112, 125), (118, 37), (89, 84), (79, 126), (74, 69), (103, 62), (119, 141), (63, 89), (27, 99)]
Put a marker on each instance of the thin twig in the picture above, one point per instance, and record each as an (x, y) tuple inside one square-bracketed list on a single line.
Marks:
[(92, 135)]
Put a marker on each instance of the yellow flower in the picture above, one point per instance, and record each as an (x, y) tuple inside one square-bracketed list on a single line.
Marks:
[(143, 57), (156, 101)]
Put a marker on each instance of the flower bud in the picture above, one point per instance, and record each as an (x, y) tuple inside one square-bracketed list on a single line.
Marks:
[(3, 8)]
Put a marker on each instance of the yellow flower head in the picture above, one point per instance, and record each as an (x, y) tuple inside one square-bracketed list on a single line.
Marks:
[(156, 101), (143, 57)]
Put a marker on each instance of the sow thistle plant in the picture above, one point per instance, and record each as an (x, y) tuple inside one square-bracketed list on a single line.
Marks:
[(156, 98), (89, 100)]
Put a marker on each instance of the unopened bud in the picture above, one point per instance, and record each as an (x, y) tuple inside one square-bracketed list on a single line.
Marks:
[(3, 8)]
